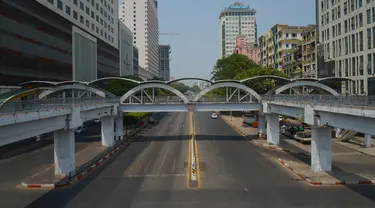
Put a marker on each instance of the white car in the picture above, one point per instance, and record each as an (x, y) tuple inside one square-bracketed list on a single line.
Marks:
[(81, 129), (214, 116)]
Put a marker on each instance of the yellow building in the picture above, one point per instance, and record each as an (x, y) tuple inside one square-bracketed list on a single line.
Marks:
[(279, 41), (309, 54)]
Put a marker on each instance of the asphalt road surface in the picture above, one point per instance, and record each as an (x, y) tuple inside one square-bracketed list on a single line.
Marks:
[(232, 173)]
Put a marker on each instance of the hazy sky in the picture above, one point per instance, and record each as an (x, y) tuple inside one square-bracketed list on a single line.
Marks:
[(195, 50)]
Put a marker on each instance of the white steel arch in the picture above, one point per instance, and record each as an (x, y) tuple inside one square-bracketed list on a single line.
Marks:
[(114, 78), (189, 78), (72, 87), (307, 83), (144, 86), (226, 84), (266, 77)]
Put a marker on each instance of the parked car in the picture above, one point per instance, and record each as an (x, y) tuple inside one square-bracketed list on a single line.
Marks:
[(151, 120), (40, 137), (214, 116), (81, 129)]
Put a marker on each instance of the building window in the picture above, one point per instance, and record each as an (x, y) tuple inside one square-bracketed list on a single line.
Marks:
[(81, 19), (369, 64), (75, 16), (361, 41), (59, 4), (368, 16), (75, 2), (51, 1), (67, 10), (81, 6), (369, 38)]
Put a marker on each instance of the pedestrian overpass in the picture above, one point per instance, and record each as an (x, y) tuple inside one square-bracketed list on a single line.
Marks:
[(65, 104)]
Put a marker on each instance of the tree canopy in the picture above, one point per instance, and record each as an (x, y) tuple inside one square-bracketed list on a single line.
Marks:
[(120, 87), (239, 67), (180, 87), (229, 67)]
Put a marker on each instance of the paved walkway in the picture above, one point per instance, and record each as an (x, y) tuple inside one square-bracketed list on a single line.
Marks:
[(349, 163), (47, 176)]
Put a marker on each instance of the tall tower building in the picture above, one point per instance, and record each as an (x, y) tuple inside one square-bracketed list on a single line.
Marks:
[(236, 20), (164, 58), (141, 17)]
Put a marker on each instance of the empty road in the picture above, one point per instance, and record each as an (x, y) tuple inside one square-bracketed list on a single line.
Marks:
[(152, 172)]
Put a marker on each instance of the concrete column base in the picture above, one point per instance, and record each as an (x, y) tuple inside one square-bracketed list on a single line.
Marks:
[(367, 141), (261, 125), (120, 128), (64, 152), (273, 129), (107, 131), (321, 149)]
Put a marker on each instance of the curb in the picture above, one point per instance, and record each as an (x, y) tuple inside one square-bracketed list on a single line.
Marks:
[(269, 146), (308, 180), (235, 127), (93, 167)]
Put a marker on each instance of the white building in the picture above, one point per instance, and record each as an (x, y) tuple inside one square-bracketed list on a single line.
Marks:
[(126, 50), (97, 17), (141, 17), (236, 20), (347, 31)]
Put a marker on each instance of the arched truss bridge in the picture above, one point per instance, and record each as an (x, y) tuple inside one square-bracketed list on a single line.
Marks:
[(146, 92)]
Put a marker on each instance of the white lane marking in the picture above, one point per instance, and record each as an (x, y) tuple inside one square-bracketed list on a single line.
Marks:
[(155, 175), (174, 165), (165, 157), (144, 152), (245, 189), (148, 164), (28, 178)]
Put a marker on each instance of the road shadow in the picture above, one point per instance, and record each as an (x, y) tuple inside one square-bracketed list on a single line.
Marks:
[(61, 197), (340, 174)]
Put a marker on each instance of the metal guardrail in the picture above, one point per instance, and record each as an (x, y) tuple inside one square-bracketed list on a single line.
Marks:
[(178, 100), (32, 105), (353, 100), (224, 99)]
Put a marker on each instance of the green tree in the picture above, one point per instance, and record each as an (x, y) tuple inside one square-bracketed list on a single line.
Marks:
[(180, 87), (120, 87), (239, 67), (229, 67), (260, 86), (195, 89)]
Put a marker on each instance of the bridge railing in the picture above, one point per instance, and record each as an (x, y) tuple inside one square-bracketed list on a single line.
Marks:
[(34, 105), (353, 100), (224, 99)]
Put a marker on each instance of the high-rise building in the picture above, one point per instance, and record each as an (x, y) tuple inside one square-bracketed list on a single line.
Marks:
[(141, 17), (245, 48), (279, 41), (164, 51), (58, 40), (236, 20), (126, 50), (309, 58), (347, 31)]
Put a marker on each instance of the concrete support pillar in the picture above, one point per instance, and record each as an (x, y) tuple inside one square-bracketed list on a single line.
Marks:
[(273, 128), (367, 141), (107, 131), (261, 125), (64, 151), (120, 128), (321, 149)]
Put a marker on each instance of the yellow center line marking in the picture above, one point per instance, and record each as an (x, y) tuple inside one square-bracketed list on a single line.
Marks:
[(197, 159), (189, 152)]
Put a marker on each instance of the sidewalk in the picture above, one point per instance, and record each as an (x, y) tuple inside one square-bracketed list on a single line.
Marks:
[(47, 176), (349, 166)]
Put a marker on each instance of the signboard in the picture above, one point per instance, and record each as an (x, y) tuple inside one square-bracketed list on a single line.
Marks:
[(238, 6)]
